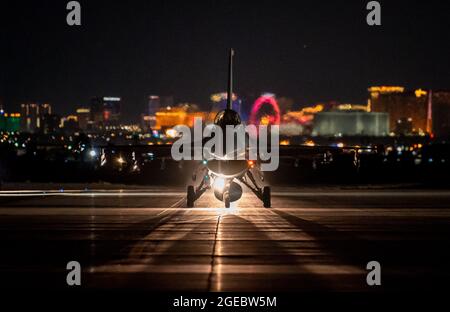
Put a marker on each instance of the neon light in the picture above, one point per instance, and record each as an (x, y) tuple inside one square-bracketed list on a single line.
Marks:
[(265, 99)]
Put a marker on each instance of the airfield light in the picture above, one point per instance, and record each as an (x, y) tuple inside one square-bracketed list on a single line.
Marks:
[(205, 162), (251, 163), (219, 184), (92, 153), (120, 160)]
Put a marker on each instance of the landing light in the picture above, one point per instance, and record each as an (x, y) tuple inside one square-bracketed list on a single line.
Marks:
[(219, 184)]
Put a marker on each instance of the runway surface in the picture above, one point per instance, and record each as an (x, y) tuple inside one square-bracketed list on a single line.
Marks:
[(311, 239)]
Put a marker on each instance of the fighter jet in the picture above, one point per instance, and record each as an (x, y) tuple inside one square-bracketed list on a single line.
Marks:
[(223, 175)]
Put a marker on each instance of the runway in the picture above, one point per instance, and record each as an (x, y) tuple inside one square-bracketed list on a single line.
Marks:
[(312, 239)]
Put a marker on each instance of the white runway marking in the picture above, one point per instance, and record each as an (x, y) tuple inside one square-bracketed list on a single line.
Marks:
[(399, 193), (87, 194)]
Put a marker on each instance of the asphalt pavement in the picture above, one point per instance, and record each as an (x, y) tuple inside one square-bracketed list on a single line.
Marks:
[(311, 239)]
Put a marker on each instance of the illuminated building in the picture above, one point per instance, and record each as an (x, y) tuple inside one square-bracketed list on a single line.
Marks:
[(148, 122), (413, 111), (303, 116), (70, 123), (219, 102), (155, 103), (379, 90), (50, 124), (9, 122), (299, 122), (440, 112), (184, 114), (83, 116), (32, 115), (351, 123), (405, 107), (352, 107), (105, 111)]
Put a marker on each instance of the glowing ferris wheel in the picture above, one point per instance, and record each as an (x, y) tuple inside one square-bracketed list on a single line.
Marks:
[(257, 116)]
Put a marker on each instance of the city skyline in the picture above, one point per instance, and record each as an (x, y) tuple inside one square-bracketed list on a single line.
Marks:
[(141, 49)]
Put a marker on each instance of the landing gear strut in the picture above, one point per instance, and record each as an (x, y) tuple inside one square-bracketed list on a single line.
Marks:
[(190, 198), (256, 184), (266, 196), (226, 199)]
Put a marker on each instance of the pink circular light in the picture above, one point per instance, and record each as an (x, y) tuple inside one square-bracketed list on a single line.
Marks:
[(273, 120)]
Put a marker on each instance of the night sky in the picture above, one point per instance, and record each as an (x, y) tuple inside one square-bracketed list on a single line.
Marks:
[(309, 50)]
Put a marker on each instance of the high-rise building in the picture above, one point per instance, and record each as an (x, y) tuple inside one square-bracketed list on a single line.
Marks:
[(440, 112), (50, 123), (83, 115), (105, 111), (70, 123), (408, 107), (33, 114), (155, 103), (413, 111)]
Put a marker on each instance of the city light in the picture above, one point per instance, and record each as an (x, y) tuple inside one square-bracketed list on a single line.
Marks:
[(273, 119), (171, 133), (420, 92), (386, 89)]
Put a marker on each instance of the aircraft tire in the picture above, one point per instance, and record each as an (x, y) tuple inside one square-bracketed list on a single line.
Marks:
[(226, 199), (190, 198), (266, 196)]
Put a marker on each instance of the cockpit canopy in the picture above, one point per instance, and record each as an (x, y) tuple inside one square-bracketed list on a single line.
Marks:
[(227, 117)]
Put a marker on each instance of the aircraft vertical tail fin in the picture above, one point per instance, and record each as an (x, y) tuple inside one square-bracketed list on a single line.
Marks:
[(230, 81)]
